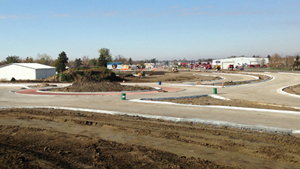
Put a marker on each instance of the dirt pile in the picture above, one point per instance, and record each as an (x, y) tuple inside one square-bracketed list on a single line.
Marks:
[(48, 138), (94, 80), (100, 87), (95, 74)]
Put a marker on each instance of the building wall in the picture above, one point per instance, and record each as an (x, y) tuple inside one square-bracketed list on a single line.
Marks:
[(44, 73), (238, 61), (18, 72)]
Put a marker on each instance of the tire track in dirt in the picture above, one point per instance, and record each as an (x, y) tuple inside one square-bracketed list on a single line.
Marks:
[(222, 146)]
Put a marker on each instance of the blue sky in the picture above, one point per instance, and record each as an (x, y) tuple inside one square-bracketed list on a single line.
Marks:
[(164, 29)]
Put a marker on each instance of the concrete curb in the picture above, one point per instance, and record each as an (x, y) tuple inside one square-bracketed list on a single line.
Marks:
[(211, 85), (280, 90), (46, 90), (271, 78), (175, 119), (34, 92), (26, 85), (218, 107), (183, 97), (17, 85), (255, 77)]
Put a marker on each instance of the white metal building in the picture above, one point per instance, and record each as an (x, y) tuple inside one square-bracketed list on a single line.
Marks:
[(25, 71), (240, 61)]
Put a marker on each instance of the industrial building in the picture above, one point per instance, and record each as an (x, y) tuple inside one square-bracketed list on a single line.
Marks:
[(26, 71), (240, 61)]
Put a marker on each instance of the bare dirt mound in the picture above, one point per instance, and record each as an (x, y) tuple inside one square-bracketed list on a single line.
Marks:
[(95, 79), (97, 74), (48, 138), (100, 87), (293, 89)]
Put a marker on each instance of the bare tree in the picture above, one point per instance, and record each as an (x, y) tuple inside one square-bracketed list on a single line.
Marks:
[(120, 58), (276, 61), (44, 59), (71, 63), (85, 60), (288, 61)]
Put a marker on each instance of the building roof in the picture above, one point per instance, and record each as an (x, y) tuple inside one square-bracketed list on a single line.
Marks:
[(32, 65)]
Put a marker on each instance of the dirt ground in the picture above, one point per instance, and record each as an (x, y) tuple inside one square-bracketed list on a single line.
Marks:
[(48, 138), (91, 86), (43, 85), (206, 100), (170, 77), (293, 89), (230, 83), (100, 87)]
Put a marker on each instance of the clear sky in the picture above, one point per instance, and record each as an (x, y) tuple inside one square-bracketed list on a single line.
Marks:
[(143, 29)]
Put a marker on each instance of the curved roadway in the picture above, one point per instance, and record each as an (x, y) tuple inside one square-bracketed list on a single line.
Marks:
[(261, 92)]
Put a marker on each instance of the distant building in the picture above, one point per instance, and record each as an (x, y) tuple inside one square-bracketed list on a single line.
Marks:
[(114, 65), (26, 71), (240, 61)]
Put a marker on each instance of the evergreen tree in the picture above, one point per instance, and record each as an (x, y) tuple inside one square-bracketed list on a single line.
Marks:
[(77, 62), (269, 58), (12, 59), (61, 62), (93, 62), (130, 61), (102, 61)]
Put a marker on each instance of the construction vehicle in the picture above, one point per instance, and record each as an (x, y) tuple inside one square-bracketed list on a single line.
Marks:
[(174, 69), (218, 67), (141, 74)]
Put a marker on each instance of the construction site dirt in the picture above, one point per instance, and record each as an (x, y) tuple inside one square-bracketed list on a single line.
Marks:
[(231, 83), (168, 77), (100, 87), (51, 138), (293, 89), (206, 100)]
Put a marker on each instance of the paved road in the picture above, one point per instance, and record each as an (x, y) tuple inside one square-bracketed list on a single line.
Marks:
[(261, 92)]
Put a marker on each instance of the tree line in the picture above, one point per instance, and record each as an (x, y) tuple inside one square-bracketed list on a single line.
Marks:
[(275, 61), (278, 61), (62, 60)]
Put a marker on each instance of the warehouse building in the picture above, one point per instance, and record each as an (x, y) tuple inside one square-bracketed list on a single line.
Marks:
[(240, 61), (26, 71)]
